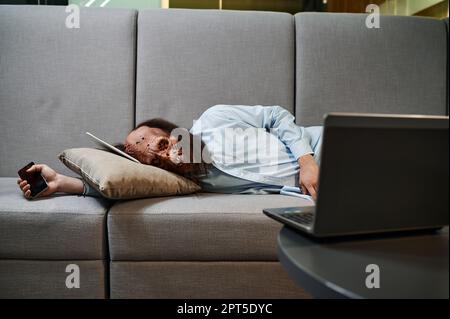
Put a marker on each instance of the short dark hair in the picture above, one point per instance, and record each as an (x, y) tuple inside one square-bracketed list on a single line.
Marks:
[(160, 123)]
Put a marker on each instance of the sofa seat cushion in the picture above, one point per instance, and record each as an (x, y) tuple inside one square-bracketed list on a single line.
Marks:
[(196, 227), (202, 280), (58, 227), (46, 279)]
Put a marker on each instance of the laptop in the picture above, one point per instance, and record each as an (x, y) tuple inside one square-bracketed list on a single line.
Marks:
[(108, 146), (378, 173)]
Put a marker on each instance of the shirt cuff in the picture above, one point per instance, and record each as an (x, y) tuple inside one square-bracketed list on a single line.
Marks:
[(88, 190), (301, 148)]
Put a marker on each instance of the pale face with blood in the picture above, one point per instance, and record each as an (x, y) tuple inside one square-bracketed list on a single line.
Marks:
[(154, 146)]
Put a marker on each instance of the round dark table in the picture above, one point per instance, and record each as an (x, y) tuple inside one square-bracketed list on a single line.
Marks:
[(410, 266)]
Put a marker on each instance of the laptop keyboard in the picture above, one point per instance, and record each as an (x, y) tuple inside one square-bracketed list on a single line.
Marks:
[(300, 218)]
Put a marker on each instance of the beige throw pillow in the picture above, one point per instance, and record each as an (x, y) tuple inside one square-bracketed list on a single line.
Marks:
[(116, 177)]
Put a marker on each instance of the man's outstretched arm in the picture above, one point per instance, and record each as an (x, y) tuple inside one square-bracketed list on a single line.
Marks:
[(56, 182)]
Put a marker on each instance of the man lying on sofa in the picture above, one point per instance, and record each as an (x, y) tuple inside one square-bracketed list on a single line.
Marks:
[(287, 166)]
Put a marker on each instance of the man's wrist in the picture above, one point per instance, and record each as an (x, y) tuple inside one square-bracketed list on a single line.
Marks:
[(67, 184), (59, 182), (306, 160)]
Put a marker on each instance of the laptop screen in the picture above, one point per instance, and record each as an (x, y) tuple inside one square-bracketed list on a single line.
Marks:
[(378, 178)]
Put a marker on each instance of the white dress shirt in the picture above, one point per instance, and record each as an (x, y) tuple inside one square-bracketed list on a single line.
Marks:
[(256, 148)]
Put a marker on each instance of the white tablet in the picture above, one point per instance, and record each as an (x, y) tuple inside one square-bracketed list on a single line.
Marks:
[(111, 148)]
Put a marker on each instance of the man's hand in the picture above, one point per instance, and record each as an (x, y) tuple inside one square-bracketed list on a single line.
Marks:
[(50, 176), (309, 175)]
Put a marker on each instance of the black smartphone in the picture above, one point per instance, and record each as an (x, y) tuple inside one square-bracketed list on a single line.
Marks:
[(38, 184)]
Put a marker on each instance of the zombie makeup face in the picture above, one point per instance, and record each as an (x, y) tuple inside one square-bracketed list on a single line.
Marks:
[(153, 146)]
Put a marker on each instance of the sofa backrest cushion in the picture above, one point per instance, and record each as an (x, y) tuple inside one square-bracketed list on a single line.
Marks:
[(342, 65), (57, 83), (189, 60)]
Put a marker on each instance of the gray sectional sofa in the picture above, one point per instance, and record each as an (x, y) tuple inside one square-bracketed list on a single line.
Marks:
[(123, 66)]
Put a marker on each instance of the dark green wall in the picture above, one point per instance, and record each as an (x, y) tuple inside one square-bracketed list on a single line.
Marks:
[(194, 4), (291, 6)]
